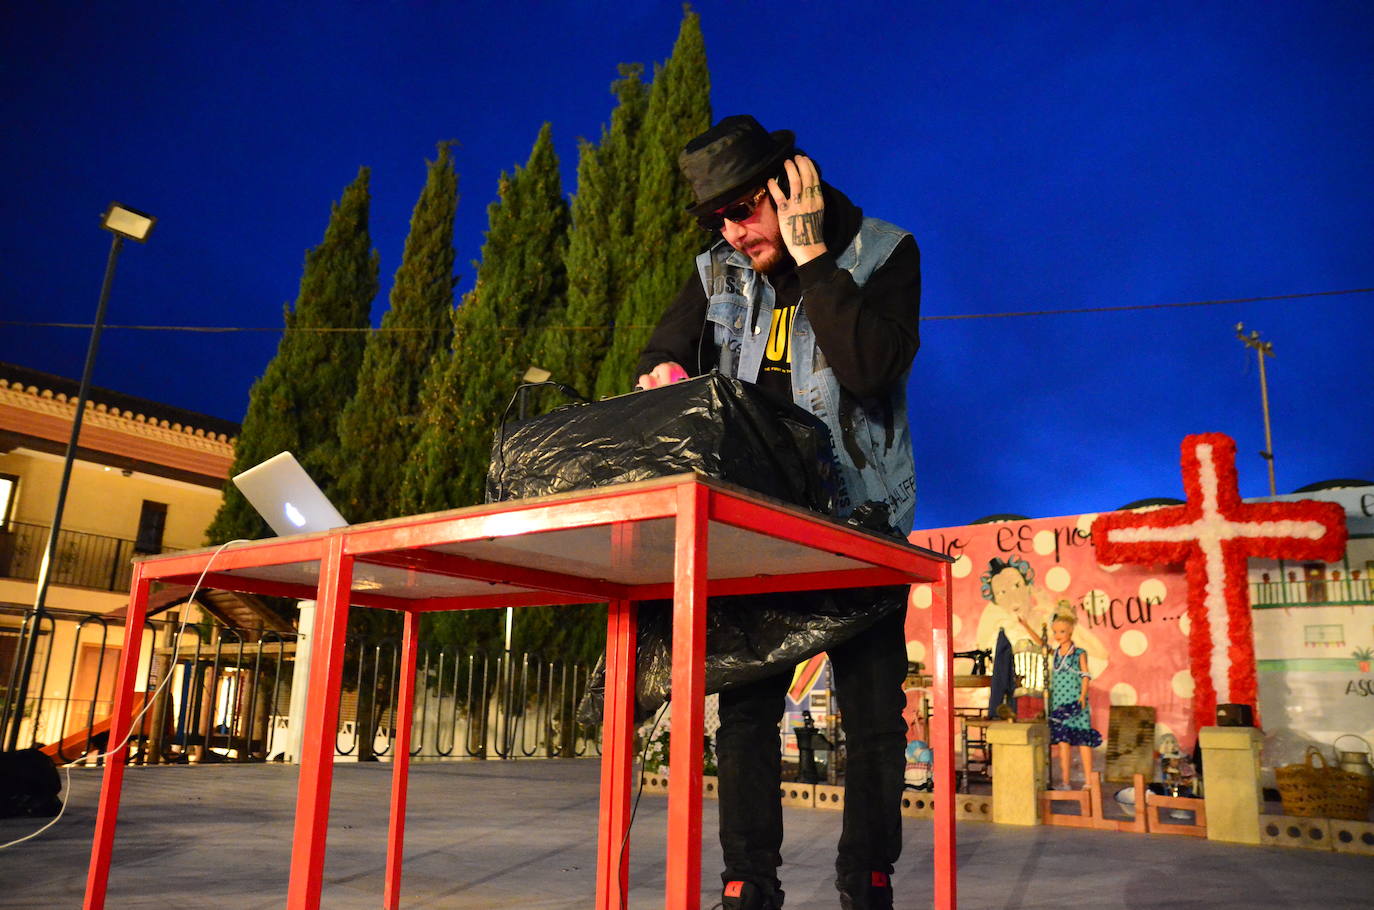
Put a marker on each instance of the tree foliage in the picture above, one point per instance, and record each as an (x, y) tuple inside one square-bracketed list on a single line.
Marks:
[(520, 279), (295, 404), (379, 427), (664, 239), (598, 263)]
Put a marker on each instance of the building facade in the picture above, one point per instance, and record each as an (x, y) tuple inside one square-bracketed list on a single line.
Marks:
[(147, 479)]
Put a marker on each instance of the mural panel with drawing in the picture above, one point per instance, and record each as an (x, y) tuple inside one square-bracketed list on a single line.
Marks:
[(1014, 576)]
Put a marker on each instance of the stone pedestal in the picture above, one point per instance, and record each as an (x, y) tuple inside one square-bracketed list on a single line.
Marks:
[(1231, 783), (1018, 771)]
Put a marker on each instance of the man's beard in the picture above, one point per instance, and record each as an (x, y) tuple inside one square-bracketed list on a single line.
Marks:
[(770, 260)]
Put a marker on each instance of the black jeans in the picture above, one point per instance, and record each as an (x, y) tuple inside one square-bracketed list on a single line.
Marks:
[(868, 672)]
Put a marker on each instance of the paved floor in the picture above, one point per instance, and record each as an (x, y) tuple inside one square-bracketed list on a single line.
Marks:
[(523, 834)]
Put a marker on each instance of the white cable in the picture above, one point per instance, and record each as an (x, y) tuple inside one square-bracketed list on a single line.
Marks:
[(148, 702)]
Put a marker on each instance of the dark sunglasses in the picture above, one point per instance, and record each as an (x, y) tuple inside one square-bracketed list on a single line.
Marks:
[(735, 211)]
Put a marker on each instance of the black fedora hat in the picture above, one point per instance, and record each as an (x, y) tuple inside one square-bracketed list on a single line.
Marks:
[(731, 158)]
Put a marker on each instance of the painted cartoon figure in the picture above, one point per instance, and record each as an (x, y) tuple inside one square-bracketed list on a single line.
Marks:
[(1018, 607), (1069, 713), (1014, 604)]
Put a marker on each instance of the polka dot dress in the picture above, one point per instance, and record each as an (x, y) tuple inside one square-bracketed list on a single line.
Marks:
[(1069, 721)]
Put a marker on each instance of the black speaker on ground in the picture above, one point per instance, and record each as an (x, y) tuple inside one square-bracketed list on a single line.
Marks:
[(29, 785), (1230, 715)]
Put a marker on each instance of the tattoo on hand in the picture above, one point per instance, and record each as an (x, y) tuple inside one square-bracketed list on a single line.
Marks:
[(806, 228), (811, 192)]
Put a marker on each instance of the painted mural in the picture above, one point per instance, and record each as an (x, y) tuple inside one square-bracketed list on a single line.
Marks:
[(1014, 576), (1313, 624), (1313, 629), (1314, 641)]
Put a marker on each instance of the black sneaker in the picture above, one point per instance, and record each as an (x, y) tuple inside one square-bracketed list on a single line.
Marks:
[(749, 896), (874, 894)]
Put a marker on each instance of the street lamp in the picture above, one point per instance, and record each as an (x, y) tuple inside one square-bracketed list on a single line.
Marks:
[(122, 222), (1262, 349)]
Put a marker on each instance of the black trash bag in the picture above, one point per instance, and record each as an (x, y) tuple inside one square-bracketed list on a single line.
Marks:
[(713, 425), (721, 428), (747, 638)]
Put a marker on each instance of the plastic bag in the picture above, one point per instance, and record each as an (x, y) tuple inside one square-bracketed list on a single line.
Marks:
[(721, 428), (713, 425)]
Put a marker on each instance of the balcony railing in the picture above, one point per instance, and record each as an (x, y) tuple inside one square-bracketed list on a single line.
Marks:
[(81, 560), (1345, 591)]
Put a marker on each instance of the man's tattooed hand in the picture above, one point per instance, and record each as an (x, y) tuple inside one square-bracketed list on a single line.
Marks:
[(806, 228), (802, 216)]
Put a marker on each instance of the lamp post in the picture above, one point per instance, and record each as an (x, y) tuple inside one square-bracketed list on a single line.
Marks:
[(533, 376), (1262, 349), (122, 222)]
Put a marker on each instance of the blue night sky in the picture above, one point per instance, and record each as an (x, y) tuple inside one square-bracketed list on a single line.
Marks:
[(1045, 155)]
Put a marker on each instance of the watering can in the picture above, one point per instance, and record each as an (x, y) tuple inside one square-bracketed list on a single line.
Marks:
[(1356, 762)]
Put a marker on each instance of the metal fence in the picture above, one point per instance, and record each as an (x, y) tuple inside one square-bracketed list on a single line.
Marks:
[(218, 694), (80, 561)]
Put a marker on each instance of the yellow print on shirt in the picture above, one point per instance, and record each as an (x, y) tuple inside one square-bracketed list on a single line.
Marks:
[(779, 337)]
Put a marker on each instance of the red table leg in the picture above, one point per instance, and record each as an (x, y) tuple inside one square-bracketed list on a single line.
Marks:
[(321, 726), (942, 740), (617, 757), (107, 815), (683, 872), (400, 763)]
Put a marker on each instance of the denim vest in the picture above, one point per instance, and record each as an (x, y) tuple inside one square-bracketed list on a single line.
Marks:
[(872, 437)]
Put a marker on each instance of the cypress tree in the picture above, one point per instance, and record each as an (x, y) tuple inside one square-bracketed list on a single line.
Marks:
[(295, 404), (664, 240), (573, 347), (602, 223), (520, 280), (428, 478), (379, 427)]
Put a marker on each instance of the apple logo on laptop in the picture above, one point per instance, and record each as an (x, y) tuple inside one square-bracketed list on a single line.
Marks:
[(294, 515)]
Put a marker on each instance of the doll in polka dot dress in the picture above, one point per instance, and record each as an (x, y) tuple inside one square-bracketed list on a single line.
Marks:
[(1069, 715)]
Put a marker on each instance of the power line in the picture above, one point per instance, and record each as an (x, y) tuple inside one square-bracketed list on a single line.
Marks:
[(1147, 306), (225, 329)]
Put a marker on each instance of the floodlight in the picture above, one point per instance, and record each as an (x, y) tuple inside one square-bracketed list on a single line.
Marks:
[(127, 222)]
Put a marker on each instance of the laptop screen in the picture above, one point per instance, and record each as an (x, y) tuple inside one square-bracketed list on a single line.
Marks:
[(287, 498)]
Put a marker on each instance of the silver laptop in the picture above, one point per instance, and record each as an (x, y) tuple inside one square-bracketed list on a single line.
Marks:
[(285, 495)]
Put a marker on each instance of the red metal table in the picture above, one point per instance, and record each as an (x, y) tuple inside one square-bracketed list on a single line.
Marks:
[(683, 538)]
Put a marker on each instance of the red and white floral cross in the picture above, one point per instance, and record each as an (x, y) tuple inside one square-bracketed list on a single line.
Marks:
[(1213, 535)]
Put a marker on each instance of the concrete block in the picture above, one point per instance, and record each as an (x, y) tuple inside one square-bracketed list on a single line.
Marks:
[(829, 797), (795, 794), (1018, 764), (1295, 831), (1231, 771), (918, 804), (1351, 836), (972, 807)]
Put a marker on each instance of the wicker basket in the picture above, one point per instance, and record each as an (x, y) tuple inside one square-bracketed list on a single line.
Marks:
[(1324, 792)]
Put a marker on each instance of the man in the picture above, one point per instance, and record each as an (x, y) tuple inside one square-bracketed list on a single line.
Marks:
[(808, 298)]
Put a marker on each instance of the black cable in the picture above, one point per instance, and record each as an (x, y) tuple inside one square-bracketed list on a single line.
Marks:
[(86, 326), (505, 416)]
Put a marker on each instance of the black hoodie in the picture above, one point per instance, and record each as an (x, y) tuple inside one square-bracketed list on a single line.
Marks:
[(868, 334)]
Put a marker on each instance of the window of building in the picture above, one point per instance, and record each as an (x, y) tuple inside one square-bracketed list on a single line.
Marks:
[(9, 649), (151, 523), (1332, 635), (9, 486)]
